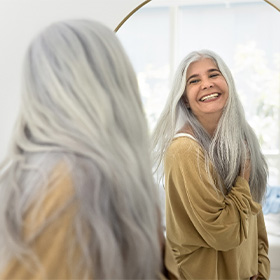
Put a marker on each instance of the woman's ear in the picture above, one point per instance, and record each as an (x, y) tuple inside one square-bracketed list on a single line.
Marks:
[(186, 102)]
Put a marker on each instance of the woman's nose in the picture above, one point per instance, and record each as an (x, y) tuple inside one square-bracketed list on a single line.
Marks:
[(206, 83)]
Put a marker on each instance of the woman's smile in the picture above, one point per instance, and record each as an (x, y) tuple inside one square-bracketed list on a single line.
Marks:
[(209, 97)]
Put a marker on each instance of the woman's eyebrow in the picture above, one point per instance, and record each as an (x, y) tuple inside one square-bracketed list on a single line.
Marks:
[(213, 69), (192, 76)]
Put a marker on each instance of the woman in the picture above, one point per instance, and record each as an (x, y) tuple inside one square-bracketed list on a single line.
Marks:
[(76, 189), (215, 175)]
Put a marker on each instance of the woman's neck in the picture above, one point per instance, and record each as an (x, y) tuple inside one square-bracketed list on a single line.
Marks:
[(209, 123)]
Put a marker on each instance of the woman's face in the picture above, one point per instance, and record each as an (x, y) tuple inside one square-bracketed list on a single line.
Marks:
[(206, 90)]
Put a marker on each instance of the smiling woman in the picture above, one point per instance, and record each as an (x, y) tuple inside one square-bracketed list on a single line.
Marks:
[(215, 175)]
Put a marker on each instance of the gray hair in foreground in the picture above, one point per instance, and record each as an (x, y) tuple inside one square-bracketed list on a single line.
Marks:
[(81, 105), (234, 140)]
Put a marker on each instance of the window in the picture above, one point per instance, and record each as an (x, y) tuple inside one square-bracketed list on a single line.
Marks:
[(161, 33)]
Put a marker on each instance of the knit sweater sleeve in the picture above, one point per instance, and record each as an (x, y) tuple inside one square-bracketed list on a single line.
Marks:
[(221, 221)]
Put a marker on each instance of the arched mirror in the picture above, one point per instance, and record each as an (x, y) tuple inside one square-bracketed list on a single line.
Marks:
[(245, 34)]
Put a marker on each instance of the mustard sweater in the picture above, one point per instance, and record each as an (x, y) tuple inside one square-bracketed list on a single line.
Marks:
[(51, 246), (212, 236)]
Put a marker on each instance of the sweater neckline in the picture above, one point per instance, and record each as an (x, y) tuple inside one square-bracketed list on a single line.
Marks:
[(182, 134)]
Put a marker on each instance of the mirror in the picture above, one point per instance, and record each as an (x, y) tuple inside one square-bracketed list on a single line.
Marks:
[(245, 34)]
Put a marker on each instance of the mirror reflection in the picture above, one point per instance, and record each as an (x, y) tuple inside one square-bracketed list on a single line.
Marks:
[(243, 33)]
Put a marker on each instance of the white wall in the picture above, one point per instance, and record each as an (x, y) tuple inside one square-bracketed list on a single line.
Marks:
[(20, 20)]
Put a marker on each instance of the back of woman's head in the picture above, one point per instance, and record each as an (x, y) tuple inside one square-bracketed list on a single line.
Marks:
[(80, 99), (77, 85)]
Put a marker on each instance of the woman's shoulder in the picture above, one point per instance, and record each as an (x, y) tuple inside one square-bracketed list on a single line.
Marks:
[(183, 142), (60, 185), (62, 179), (184, 148), (55, 197)]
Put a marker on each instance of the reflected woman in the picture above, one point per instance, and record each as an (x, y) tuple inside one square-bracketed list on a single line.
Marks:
[(215, 175)]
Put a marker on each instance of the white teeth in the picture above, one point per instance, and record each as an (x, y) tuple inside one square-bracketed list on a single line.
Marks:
[(211, 96)]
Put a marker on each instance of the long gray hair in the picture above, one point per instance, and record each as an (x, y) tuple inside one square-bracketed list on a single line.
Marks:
[(81, 105), (233, 141)]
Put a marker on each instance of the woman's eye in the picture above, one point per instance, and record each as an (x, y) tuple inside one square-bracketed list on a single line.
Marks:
[(194, 81), (214, 75)]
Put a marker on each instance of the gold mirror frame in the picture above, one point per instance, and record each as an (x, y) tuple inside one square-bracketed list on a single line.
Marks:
[(131, 13), (273, 3)]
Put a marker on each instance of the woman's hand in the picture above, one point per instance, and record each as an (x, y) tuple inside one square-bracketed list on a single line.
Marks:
[(255, 277)]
